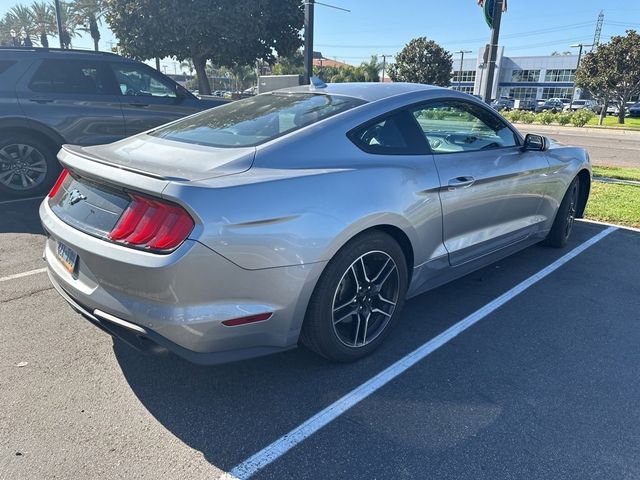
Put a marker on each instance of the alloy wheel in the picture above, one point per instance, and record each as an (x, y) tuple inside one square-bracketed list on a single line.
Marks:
[(22, 167), (571, 211), (365, 299)]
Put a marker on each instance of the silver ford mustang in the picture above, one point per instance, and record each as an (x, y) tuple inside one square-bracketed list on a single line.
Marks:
[(308, 214)]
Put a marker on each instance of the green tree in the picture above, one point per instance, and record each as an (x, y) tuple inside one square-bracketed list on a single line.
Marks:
[(372, 69), (88, 15), (291, 65), (20, 19), (613, 70), (227, 32), (44, 19), (422, 61)]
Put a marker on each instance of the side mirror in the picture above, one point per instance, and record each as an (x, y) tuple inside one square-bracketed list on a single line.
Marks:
[(535, 143)]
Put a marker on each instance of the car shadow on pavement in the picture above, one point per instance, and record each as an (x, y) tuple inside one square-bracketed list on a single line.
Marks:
[(20, 217), (229, 412)]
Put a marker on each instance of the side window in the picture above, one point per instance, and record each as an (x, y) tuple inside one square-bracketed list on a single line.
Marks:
[(136, 80), (72, 76), (458, 126), (395, 134), (5, 64)]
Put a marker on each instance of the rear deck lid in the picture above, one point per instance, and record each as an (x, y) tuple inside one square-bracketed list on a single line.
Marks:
[(168, 159)]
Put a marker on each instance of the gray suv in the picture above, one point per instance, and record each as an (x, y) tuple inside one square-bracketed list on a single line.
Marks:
[(49, 97)]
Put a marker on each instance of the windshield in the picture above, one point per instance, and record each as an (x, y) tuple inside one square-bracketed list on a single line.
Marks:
[(255, 120)]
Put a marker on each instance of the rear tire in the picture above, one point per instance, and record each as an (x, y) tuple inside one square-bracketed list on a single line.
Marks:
[(358, 298), (565, 217), (28, 166)]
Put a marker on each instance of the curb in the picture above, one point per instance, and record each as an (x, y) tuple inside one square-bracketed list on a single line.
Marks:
[(616, 180)]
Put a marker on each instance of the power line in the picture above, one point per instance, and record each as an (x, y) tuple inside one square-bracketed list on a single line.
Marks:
[(469, 40)]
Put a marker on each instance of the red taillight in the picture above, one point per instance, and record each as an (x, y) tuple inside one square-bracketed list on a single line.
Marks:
[(244, 320), (59, 182), (152, 224)]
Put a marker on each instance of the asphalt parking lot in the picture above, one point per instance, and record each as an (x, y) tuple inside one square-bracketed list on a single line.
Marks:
[(543, 386)]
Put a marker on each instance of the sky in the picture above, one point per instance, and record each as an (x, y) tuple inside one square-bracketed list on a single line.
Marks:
[(529, 27)]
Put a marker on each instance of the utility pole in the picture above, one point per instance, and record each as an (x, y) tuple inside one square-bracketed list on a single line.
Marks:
[(581, 46), (596, 36), (384, 64), (493, 49), (58, 21), (461, 52), (308, 41)]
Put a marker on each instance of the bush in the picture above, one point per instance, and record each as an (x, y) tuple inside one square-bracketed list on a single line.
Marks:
[(527, 117), (564, 118), (582, 117), (546, 118), (516, 115)]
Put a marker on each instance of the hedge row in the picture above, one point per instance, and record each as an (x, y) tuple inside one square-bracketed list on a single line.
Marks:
[(579, 118)]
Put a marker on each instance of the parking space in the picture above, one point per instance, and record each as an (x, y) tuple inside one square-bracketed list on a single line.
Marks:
[(543, 387)]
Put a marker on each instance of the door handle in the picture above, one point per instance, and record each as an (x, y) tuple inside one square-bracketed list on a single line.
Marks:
[(41, 100), (138, 104), (461, 182)]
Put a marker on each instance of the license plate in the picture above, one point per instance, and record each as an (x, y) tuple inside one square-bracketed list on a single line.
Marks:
[(67, 256)]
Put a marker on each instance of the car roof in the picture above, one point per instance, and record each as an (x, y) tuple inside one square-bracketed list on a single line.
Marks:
[(57, 53), (368, 91)]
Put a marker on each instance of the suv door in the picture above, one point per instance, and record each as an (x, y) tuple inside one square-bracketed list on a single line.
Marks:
[(77, 98), (148, 98), (490, 190)]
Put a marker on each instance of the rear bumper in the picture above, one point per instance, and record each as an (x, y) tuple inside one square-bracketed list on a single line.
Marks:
[(147, 340), (177, 302)]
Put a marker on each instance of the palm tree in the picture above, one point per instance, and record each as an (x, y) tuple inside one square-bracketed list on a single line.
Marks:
[(20, 19), (372, 69), (69, 23), (89, 13), (44, 19)]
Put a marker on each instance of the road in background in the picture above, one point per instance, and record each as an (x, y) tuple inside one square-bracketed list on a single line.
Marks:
[(606, 147)]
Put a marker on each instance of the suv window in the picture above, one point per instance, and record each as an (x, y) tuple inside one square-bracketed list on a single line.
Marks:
[(395, 134), (459, 126), (72, 76), (5, 64), (137, 80)]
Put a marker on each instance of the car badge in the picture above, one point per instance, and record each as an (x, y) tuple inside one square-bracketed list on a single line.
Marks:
[(75, 196)]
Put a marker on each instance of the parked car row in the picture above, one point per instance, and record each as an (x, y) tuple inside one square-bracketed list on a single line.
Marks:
[(51, 97), (556, 105)]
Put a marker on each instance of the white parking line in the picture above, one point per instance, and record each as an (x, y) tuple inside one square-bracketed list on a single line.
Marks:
[(272, 452), (5, 202), (23, 274)]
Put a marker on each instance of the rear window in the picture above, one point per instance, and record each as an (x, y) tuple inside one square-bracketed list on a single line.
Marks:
[(255, 120)]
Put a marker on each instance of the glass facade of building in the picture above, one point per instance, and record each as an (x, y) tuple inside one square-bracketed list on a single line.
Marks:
[(525, 75), (519, 93), (467, 76), (464, 89), (560, 75), (557, 92)]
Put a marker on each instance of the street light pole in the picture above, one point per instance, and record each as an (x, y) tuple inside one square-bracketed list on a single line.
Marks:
[(384, 63), (308, 41), (493, 49), (461, 52), (58, 21), (581, 46)]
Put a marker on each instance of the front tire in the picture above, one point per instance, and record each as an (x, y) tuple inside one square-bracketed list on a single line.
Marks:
[(358, 298), (565, 217), (28, 167)]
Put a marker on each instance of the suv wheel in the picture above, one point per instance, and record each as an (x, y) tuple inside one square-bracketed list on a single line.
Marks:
[(27, 166)]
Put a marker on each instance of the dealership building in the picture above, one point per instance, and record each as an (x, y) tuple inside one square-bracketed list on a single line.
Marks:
[(524, 78)]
